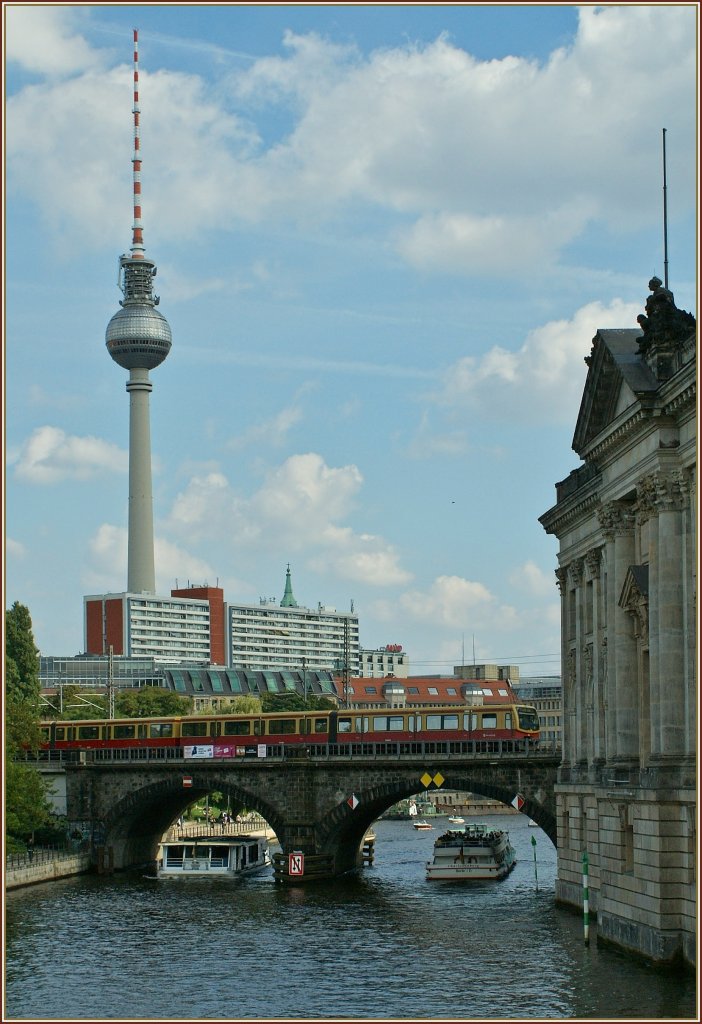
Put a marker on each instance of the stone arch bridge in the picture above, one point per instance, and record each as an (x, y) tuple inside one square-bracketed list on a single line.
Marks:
[(320, 806)]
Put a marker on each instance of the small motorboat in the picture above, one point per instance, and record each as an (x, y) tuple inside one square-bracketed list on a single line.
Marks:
[(456, 821), (423, 826)]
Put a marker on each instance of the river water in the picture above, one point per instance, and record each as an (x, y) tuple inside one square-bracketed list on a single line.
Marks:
[(385, 944)]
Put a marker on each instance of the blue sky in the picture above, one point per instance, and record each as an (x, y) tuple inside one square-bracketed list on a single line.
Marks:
[(385, 237)]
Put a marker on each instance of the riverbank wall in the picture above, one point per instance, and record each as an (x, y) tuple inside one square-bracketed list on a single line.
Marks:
[(30, 871)]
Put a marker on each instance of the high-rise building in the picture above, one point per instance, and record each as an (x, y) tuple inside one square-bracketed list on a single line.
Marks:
[(272, 635)]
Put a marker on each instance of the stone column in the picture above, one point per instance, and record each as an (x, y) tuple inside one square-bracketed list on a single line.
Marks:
[(666, 595), (577, 709), (562, 582), (593, 561), (619, 517), (607, 516)]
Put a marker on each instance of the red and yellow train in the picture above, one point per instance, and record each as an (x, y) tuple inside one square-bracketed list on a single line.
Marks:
[(213, 735)]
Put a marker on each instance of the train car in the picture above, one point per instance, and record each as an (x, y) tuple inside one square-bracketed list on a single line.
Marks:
[(101, 734), (214, 735)]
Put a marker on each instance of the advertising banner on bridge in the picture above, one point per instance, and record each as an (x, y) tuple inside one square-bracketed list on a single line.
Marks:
[(201, 750)]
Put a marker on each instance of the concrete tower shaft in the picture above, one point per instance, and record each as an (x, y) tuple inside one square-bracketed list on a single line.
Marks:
[(138, 338)]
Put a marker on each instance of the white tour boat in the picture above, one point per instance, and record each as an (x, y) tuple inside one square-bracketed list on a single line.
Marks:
[(423, 826), (213, 855), (476, 852)]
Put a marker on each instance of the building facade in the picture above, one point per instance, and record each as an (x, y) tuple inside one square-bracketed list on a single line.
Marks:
[(283, 635), (167, 629), (625, 521), (544, 693), (380, 662)]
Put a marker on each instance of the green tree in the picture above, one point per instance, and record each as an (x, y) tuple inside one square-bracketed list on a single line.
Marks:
[(26, 803), (151, 702), (282, 702), (244, 705)]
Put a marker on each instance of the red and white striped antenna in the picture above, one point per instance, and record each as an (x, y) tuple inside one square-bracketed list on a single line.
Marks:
[(137, 249)]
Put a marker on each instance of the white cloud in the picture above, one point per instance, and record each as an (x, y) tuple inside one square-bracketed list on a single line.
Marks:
[(494, 166), (107, 571), (14, 548), (43, 39), (300, 506), (450, 601), (530, 578), (540, 382), (271, 432), (50, 456)]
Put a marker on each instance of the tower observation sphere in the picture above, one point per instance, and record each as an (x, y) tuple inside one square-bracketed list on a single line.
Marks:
[(138, 336)]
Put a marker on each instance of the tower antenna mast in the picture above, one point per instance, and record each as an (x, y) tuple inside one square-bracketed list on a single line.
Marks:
[(137, 248), (665, 217)]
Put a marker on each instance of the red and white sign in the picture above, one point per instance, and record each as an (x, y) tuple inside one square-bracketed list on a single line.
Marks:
[(296, 863), (187, 780), (353, 801), (518, 801)]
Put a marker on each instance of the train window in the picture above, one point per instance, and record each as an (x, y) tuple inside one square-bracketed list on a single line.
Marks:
[(433, 721), (194, 729), (396, 723), (60, 732), (281, 725), (89, 732), (344, 725), (470, 721), (237, 728), (157, 729), (141, 730), (411, 723), (44, 732), (489, 721), (508, 719), (258, 727), (321, 725), (123, 732), (380, 724), (450, 721), (362, 724)]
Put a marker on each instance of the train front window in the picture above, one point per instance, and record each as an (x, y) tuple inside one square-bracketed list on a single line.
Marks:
[(528, 718)]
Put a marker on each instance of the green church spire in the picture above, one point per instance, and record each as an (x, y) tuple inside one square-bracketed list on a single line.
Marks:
[(288, 599)]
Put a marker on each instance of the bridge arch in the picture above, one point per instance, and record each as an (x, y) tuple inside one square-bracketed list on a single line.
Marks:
[(135, 824)]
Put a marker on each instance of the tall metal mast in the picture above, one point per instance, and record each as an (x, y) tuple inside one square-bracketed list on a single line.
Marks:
[(665, 218)]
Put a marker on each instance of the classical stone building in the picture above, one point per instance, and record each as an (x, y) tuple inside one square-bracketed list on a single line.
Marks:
[(626, 525)]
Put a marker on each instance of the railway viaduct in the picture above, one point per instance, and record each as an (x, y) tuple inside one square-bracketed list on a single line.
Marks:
[(319, 806)]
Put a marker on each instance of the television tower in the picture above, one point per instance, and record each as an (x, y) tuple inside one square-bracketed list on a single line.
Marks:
[(138, 338)]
